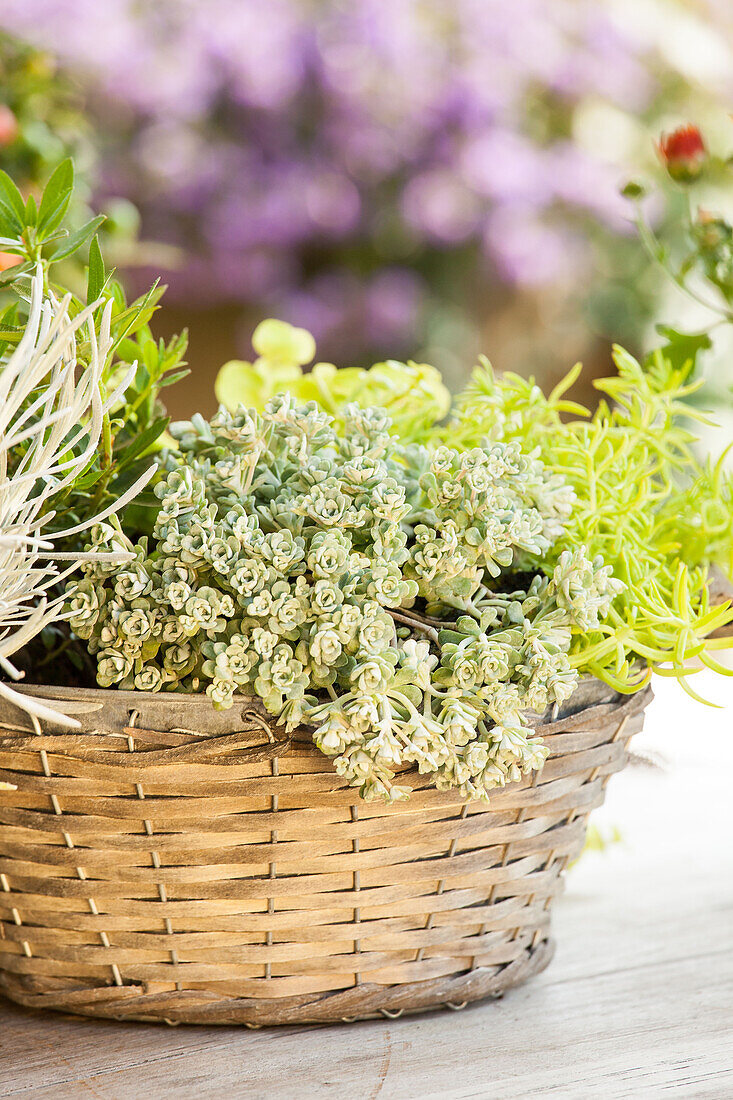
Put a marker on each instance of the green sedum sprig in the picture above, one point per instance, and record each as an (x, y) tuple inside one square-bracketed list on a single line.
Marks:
[(643, 503)]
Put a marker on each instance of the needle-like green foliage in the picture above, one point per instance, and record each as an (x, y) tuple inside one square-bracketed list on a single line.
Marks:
[(657, 517)]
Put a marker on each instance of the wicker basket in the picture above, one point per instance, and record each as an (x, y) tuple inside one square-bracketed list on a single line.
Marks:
[(176, 863)]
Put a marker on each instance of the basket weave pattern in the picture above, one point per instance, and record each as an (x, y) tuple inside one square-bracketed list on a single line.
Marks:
[(172, 863)]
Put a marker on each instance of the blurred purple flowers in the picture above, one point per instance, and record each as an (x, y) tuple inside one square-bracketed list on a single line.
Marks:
[(321, 162)]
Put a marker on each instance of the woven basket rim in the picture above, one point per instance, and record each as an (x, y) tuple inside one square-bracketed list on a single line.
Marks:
[(587, 685), (247, 728), (95, 707)]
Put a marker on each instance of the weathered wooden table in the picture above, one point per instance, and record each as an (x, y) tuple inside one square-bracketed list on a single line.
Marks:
[(637, 1003)]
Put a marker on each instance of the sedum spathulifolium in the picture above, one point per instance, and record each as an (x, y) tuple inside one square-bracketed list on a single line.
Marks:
[(362, 587)]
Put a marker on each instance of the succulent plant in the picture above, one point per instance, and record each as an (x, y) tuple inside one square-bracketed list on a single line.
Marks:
[(355, 584), (643, 503)]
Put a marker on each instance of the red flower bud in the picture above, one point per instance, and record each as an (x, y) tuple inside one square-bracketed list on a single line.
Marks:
[(8, 125), (683, 153)]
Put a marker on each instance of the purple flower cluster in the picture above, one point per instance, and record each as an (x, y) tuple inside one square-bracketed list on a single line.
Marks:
[(326, 162)]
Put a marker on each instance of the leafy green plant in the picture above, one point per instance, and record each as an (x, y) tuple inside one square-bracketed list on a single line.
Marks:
[(133, 426), (413, 394), (407, 580), (56, 414), (411, 595)]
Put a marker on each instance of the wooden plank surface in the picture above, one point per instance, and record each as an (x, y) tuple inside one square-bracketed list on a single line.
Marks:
[(638, 1001)]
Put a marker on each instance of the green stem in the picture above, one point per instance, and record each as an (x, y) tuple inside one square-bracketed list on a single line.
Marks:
[(653, 247), (107, 441), (106, 462), (54, 653)]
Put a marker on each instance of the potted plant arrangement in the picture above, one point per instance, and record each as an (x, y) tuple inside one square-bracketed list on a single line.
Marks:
[(364, 661)]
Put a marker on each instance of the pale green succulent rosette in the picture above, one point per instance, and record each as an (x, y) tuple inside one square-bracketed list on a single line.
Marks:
[(356, 585)]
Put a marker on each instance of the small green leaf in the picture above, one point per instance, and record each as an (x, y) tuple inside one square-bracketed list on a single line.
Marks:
[(96, 274), (634, 190), (682, 348), (150, 352), (128, 351), (137, 315), (129, 476), (142, 442), (76, 659), (13, 273), (87, 480), (12, 206), (56, 198), (171, 379), (31, 211), (8, 223), (75, 240)]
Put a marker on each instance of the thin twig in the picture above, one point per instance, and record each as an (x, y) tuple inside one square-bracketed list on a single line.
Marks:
[(416, 624)]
